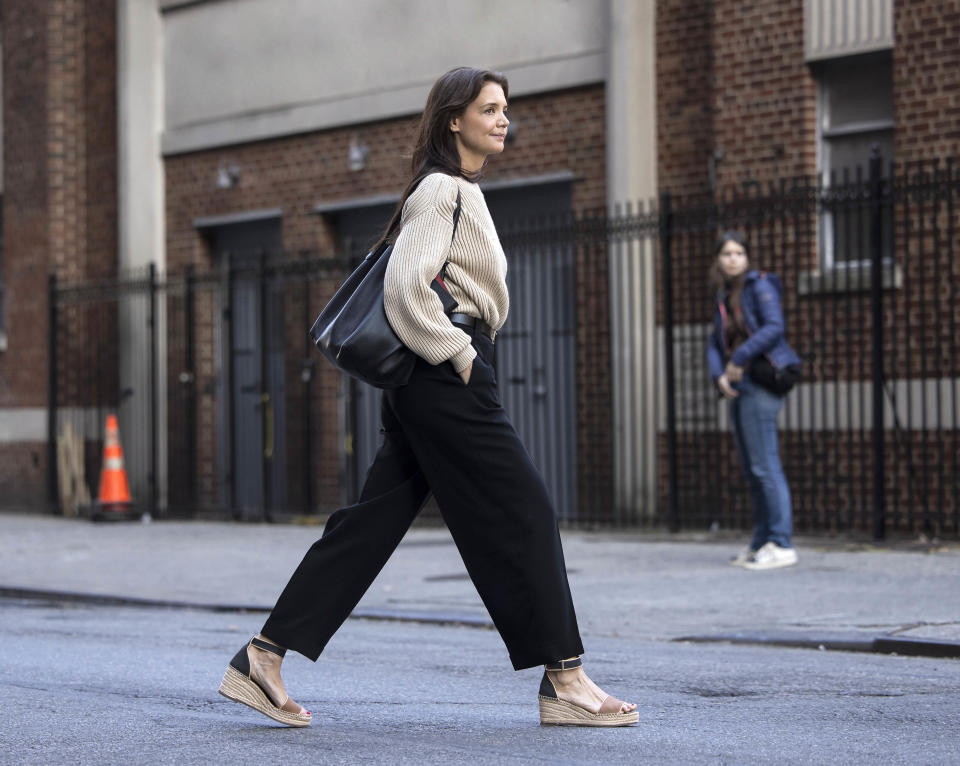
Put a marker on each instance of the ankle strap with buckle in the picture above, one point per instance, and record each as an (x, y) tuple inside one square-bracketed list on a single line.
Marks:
[(268, 647), (576, 662)]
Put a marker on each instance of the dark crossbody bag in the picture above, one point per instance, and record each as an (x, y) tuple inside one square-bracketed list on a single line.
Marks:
[(779, 380), (765, 373), (352, 331)]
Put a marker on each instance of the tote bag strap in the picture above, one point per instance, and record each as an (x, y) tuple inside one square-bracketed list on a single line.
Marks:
[(456, 221)]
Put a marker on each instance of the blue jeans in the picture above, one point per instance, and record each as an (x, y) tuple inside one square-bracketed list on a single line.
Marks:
[(754, 415)]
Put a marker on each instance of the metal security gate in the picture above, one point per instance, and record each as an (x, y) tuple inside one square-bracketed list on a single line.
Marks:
[(870, 437), (256, 383), (365, 438), (534, 353), (535, 366), (252, 467), (534, 361)]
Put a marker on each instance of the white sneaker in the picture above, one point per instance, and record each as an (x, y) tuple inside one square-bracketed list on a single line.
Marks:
[(743, 557), (772, 556)]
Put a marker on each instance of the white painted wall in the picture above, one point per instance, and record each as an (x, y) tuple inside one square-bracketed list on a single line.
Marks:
[(239, 70), (141, 224), (631, 132), (139, 129)]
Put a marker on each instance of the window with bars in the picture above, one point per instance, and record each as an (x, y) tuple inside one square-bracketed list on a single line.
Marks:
[(855, 104)]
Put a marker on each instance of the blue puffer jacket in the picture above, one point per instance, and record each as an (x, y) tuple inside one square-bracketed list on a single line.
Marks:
[(763, 316)]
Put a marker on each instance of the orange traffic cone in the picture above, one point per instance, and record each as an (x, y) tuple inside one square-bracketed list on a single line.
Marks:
[(114, 494)]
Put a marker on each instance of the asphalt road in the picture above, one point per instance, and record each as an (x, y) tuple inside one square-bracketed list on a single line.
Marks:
[(115, 685)]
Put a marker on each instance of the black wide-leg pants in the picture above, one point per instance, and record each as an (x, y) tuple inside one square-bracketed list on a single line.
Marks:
[(455, 440)]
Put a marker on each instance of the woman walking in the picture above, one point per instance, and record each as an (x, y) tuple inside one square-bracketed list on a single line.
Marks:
[(753, 366), (445, 433)]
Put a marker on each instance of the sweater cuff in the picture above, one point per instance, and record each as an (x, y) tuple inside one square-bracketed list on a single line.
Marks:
[(463, 359)]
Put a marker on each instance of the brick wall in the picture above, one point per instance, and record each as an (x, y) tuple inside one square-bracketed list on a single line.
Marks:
[(23, 476), (732, 79), (685, 85), (100, 137), (926, 80), (23, 366), (765, 96), (59, 198), (562, 131), (830, 476), (558, 131), (66, 144)]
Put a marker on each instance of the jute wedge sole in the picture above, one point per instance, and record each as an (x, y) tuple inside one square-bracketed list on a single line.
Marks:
[(557, 712), (239, 687)]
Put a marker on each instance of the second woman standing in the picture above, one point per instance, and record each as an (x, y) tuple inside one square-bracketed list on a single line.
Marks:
[(752, 365)]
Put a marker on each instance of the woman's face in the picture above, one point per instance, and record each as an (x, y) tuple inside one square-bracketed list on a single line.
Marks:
[(732, 259), (482, 128)]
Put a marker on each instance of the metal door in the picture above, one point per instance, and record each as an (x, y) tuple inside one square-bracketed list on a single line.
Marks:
[(534, 354), (251, 426), (535, 359), (535, 351), (358, 230)]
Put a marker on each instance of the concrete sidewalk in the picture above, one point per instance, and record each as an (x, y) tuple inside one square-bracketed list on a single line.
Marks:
[(846, 596)]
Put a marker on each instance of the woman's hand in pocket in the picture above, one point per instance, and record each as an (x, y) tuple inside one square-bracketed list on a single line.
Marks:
[(465, 373)]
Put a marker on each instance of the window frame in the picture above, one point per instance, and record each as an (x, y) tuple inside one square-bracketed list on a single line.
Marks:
[(823, 71)]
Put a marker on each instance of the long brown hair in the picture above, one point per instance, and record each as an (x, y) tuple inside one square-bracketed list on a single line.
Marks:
[(733, 286), (436, 147)]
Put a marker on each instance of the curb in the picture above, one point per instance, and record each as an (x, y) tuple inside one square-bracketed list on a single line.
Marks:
[(917, 647), (386, 615), (98, 599), (839, 642)]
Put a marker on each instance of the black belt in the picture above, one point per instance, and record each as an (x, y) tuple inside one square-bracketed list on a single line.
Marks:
[(474, 323)]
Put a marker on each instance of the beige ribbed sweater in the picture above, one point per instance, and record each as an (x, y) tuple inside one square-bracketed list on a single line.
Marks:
[(476, 276)]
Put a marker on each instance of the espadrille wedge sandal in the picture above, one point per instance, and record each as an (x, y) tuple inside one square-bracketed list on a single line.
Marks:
[(237, 685), (557, 712)]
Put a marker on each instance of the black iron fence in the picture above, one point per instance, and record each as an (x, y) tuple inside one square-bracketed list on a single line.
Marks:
[(226, 409), (213, 378), (871, 435)]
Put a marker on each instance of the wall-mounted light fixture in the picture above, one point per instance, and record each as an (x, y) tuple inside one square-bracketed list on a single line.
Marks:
[(228, 176), (357, 154)]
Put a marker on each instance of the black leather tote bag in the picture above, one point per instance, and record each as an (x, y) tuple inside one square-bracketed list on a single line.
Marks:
[(353, 333)]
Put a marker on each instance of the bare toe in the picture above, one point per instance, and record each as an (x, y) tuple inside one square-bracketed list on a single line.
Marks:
[(292, 707), (611, 706)]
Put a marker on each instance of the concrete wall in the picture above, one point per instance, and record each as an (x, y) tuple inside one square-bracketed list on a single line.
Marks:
[(241, 71)]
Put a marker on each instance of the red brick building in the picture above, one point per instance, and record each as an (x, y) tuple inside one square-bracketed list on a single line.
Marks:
[(739, 83), (59, 204), (756, 99)]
